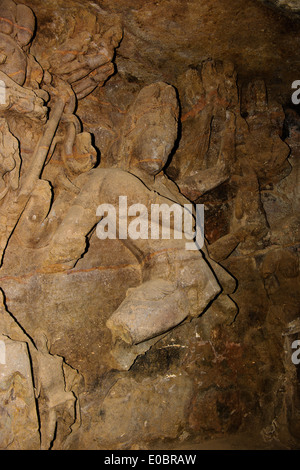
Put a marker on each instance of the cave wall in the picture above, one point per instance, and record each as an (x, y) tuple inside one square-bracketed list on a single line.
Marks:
[(225, 71)]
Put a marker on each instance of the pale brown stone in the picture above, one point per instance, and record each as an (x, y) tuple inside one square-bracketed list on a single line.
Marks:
[(120, 343)]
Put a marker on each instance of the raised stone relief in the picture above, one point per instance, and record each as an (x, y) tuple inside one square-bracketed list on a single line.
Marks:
[(100, 313), (25, 201)]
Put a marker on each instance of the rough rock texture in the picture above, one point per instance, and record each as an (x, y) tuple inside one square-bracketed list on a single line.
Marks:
[(125, 343)]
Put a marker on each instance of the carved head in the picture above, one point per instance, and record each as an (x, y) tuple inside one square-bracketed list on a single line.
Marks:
[(150, 128), (17, 25)]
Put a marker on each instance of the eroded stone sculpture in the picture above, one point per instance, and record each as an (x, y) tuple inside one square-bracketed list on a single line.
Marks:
[(24, 114), (177, 284), (103, 327), (49, 199)]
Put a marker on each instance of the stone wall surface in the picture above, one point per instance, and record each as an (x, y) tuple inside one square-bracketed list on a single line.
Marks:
[(128, 342)]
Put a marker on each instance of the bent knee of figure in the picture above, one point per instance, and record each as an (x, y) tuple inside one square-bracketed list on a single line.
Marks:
[(148, 310)]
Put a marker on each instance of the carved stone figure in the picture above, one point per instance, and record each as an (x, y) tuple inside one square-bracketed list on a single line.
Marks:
[(22, 77), (109, 302), (51, 382), (28, 139)]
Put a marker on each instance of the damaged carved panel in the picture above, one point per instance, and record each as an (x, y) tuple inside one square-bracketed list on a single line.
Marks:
[(100, 322)]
